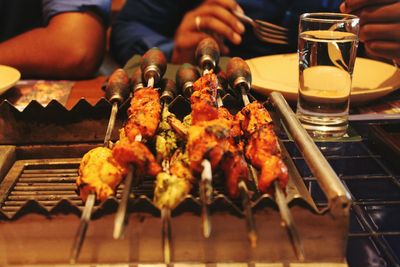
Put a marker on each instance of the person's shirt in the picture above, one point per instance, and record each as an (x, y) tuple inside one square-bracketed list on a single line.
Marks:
[(143, 24), (19, 16)]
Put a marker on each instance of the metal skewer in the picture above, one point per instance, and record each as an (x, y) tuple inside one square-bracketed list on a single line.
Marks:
[(152, 67), (121, 218), (82, 228), (239, 77), (185, 77), (117, 90), (248, 213), (207, 56), (167, 95), (244, 192), (166, 233)]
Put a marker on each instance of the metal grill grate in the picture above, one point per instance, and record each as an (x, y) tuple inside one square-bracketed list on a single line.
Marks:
[(47, 186), (45, 181), (40, 180), (49, 181)]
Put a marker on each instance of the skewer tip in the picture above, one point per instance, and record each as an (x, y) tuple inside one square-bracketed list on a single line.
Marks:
[(166, 234), (206, 230), (252, 239), (117, 233)]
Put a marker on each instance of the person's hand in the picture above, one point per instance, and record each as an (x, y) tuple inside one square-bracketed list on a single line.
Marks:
[(213, 18), (379, 25)]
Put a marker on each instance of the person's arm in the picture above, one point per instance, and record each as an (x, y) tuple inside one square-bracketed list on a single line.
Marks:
[(134, 38), (380, 25), (71, 46), (143, 24), (171, 26)]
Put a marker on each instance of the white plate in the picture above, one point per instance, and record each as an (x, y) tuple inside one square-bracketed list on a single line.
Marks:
[(8, 78), (371, 79)]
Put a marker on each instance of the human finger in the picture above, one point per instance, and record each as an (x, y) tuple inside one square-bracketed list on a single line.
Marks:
[(343, 8), (384, 49), (222, 47), (213, 25), (375, 31), (184, 47), (222, 14), (383, 13), (350, 6)]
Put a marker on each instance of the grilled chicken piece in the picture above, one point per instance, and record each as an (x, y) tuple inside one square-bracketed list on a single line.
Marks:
[(233, 165), (205, 95), (223, 113), (204, 98), (144, 114), (213, 140), (181, 129), (235, 132), (205, 137), (252, 117), (262, 148), (263, 152), (205, 82), (272, 169), (262, 143), (138, 154), (172, 188), (235, 170), (180, 165), (166, 138), (99, 172), (203, 111)]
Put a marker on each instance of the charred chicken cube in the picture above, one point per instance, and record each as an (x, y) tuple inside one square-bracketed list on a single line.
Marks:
[(100, 173)]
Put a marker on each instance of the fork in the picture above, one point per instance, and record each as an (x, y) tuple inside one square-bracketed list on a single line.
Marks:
[(265, 31)]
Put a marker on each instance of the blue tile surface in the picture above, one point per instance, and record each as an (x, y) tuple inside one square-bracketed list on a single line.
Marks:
[(356, 166), (374, 189), (394, 245), (384, 218), (374, 231), (362, 251), (316, 192), (356, 226), (330, 149)]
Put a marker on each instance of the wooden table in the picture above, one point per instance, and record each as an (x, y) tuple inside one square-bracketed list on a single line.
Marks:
[(88, 89)]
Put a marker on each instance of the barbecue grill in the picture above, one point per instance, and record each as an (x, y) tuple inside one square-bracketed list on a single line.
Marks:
[(40, 153)]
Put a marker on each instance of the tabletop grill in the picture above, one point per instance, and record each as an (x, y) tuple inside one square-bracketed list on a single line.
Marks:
[(39, 208)]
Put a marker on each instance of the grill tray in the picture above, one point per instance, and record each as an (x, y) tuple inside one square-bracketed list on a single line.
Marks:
[(39, 214)]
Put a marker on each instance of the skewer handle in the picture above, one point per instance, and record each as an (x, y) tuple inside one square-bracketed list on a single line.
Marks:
[(169, 90), (118, 86), (186, 75), (207, 54), (153, 65), (238, 73), (137, 81)]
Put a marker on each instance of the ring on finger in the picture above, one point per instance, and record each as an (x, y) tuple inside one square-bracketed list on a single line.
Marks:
[(197, 21)]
